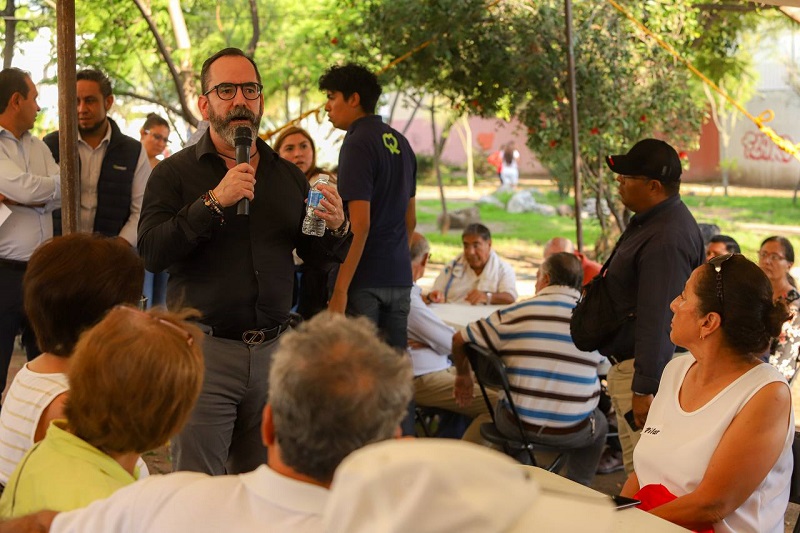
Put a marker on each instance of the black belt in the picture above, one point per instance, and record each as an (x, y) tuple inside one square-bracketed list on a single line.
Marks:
[(252, 337), (544, 430), (13, 265)]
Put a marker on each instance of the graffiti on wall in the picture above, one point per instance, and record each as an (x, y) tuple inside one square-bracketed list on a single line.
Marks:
[(758, 147)]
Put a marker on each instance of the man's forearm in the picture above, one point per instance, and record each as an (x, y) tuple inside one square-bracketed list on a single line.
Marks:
[(32, 523), (460, 360), (348, 268)]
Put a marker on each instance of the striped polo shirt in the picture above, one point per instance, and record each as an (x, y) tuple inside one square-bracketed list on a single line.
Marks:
[(553, 383)]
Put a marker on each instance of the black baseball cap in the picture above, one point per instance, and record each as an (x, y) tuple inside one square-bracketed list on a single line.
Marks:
[(649, 157)]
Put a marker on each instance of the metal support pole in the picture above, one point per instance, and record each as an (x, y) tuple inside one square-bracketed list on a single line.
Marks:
[(67, 117), (573, 106)]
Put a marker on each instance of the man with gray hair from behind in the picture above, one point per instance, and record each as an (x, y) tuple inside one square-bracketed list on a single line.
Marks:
[(334, 387)]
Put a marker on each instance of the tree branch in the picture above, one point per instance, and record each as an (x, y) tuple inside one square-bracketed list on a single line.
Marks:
[(176, 78), (251, 46), (150, 99)]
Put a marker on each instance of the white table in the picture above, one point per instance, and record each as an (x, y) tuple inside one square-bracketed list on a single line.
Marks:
[(626, 520), (459, 315)]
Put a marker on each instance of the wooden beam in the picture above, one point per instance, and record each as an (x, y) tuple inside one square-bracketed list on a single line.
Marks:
[(68, 117)]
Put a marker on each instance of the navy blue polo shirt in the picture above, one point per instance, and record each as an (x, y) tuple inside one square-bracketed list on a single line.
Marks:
[(376, 164)]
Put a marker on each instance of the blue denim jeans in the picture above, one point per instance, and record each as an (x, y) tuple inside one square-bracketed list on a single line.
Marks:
[(388, 308)]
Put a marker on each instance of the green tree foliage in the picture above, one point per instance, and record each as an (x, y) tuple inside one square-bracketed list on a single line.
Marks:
[(510, 59)]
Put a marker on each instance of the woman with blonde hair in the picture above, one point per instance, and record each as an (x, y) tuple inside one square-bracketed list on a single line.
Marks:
[(134, 380)]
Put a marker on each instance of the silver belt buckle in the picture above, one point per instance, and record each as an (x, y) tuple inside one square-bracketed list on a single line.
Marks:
[(253, 337)]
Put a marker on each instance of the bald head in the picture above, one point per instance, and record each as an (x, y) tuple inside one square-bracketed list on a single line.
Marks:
[(558, 244)]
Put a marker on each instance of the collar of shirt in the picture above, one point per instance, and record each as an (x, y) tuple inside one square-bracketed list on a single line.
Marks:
[(205, 146), (7, 133), (59, 438), (559, 289), (641, 218), (286, 492), (363, 120)]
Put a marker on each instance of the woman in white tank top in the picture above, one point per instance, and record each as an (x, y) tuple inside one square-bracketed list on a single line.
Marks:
[(719, 432)]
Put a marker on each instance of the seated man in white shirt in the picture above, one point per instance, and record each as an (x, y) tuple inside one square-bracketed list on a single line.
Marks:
[(334, 387), (430, 342), (477, 276)]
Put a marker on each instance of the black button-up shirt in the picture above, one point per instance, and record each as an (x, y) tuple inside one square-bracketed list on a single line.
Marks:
[(655, 256), (239, 275)]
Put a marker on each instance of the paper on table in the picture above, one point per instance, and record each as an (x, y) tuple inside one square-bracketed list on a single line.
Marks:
[(4, 212)]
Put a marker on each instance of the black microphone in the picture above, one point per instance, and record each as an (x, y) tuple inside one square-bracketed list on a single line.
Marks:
[(242, 141)]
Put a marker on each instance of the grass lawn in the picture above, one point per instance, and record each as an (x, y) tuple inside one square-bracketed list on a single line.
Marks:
[(747, 218)]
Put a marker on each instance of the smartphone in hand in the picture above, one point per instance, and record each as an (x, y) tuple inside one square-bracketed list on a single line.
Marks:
[(631, 420)]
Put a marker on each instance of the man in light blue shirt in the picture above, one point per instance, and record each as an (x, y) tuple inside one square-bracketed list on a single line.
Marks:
[(430, 342), (30, 188)]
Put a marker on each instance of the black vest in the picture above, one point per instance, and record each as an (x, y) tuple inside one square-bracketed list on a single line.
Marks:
[(114, 185)]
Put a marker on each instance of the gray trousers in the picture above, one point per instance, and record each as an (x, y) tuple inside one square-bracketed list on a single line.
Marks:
[(582, 448), (223, 434)]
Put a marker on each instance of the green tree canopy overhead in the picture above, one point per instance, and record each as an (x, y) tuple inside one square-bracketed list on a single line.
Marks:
[(511, 59)]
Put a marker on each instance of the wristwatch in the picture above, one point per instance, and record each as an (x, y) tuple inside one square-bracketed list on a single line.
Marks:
[(342, 230), (488, 298)]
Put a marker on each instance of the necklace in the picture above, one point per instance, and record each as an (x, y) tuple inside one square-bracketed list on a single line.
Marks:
[(252, 154)]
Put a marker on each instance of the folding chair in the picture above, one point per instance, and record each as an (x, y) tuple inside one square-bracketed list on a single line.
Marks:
[(490, 371)]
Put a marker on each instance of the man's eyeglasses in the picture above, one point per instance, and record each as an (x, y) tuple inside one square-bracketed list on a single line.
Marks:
[(227, 91), (772, 256), (157, 136), (716, 262)]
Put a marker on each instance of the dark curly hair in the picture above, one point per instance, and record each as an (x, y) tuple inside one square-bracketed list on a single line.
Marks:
[(353, 78), (750, 319)]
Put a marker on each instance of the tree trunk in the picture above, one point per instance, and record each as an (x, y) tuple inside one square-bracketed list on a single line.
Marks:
[(417, 104), (466, 143), (445, 218), (251, 46), (11, 32), (183, 80)]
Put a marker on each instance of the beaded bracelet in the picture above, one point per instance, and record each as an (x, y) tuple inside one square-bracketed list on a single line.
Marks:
[(213, 205)]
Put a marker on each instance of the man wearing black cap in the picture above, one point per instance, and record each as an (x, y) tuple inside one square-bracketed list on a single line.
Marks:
[(648, 269)]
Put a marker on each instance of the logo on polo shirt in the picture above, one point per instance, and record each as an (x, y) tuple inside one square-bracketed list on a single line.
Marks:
[(390, 142)]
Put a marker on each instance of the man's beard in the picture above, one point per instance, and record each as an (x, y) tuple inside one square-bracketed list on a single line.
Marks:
[(226, 130), (94, 128)]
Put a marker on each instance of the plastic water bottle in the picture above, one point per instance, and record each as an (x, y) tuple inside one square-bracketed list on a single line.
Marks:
[(312, 224)]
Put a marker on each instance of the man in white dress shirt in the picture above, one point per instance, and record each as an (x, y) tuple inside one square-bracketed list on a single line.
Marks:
[(430, 342), (30, 188), (333, 388), (478, 276)]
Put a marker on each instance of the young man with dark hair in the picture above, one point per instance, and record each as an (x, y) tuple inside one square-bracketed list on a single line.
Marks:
[(30, 189), (114, 167), (377, 180)]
